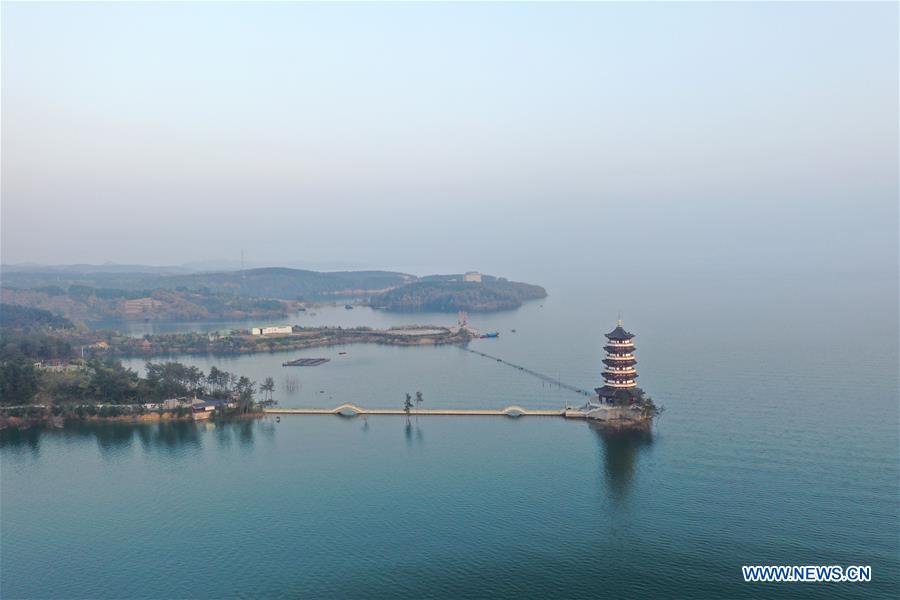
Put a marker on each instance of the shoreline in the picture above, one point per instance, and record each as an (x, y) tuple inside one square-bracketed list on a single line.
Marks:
[(46, 418), (52, 421)]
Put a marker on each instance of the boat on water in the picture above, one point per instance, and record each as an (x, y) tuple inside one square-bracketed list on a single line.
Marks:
[(490, 334), (348, 306)]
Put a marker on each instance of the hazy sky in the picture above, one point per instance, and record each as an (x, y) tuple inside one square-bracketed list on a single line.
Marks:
[(511, 138)]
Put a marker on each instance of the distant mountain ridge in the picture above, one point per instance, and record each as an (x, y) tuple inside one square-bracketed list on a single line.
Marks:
[(267, 282), (85, 268)]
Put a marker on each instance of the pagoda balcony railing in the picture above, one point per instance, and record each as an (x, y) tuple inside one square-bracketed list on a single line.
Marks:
[(622, 344), (619, 356), (620, 384), (621, 371)]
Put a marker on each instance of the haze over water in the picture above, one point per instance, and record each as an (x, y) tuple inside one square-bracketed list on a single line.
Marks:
[(723, 175), (767, 453)]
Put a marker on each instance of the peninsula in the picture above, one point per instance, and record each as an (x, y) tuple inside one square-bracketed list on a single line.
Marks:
[(450, 293), (298, 338)]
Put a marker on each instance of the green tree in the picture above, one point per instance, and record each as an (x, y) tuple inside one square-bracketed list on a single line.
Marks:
[(110, 382), (245, 389), (214, 380), (268, 387), (173, 379), (18, 381)]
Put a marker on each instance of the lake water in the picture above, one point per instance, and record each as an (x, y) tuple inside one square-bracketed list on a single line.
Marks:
[(778, 445)]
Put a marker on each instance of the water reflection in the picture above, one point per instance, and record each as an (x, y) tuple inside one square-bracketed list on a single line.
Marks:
[(620, 453), (168, 436), (21, 438), (111, 438), (171, 436), (413, 434)]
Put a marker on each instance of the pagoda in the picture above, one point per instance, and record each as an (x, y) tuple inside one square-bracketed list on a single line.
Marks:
[(619, 375)]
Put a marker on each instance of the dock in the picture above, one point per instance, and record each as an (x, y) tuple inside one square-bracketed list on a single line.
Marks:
[(305, 362)]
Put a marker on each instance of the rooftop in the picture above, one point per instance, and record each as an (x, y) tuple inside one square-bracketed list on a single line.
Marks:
[(619, 333)]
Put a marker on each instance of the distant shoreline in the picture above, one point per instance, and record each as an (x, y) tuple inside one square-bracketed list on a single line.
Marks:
[(88, 298), (301, 338)]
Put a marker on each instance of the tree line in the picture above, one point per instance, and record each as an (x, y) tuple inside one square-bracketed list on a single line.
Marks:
[(109, 382)]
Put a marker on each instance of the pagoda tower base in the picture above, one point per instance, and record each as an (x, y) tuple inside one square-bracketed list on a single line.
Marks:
[(619, 396)]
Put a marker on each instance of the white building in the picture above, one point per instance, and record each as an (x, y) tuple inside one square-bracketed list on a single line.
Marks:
[(271, 330), (473, 276)]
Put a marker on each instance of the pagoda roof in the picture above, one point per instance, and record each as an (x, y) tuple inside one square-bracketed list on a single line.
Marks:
[(619, 334)]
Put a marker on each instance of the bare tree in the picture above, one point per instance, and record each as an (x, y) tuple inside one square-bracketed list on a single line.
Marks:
[(419, 401)]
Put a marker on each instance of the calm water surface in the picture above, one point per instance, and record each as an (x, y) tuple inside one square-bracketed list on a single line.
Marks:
[(779, 445)]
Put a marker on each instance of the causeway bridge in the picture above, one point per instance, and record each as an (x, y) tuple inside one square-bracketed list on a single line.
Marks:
[(348, 409)]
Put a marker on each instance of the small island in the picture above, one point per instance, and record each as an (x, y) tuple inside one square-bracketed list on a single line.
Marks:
[(619, 405), (450, 293)]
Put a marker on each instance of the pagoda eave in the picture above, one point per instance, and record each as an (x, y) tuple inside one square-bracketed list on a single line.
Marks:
[(619, 362), (618, 350)]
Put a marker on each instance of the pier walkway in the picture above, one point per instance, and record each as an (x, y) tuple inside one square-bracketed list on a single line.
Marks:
[(554, 381), (348, 409)]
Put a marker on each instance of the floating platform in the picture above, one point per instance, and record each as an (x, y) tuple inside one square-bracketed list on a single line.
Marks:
[(305, 362)]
